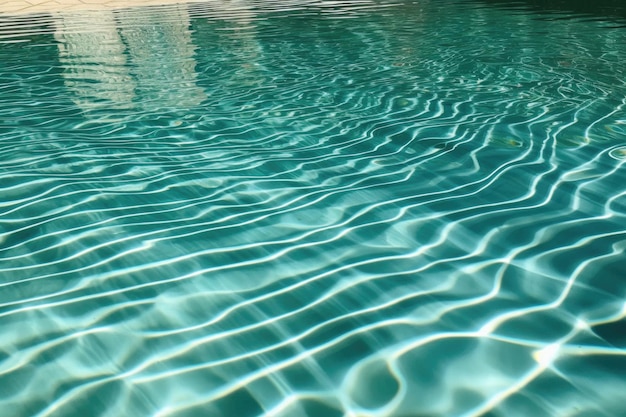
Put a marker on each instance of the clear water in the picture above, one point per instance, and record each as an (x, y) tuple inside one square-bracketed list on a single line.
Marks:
[(313, 209)]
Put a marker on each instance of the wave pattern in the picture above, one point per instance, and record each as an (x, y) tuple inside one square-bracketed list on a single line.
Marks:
[(239, 209)]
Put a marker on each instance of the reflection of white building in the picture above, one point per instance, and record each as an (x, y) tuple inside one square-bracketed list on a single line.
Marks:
[(94, 65), (128, 59), (161, 56)]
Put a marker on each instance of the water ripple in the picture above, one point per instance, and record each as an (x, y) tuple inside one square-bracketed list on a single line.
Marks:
[(317, 208)]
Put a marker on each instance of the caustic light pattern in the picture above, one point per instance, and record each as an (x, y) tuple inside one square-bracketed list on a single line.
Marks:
[(312, 209)]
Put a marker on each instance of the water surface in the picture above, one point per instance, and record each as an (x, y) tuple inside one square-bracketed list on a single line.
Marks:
[(313, 209)]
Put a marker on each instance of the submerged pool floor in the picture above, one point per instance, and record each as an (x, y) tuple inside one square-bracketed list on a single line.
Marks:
[(312, 209)]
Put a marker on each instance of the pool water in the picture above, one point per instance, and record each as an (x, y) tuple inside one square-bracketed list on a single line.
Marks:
[(313, 208)]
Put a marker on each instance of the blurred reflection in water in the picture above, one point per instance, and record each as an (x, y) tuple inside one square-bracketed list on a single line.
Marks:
[(94, 63), (133, 61)]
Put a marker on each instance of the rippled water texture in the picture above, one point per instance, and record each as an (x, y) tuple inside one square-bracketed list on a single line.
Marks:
[(318, 209)]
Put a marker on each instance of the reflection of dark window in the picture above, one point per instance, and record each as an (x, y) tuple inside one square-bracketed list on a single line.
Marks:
[(32, 89), (597, 8)]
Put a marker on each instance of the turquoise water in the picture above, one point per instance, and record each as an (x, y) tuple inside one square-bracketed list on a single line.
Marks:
[(314, 209)]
